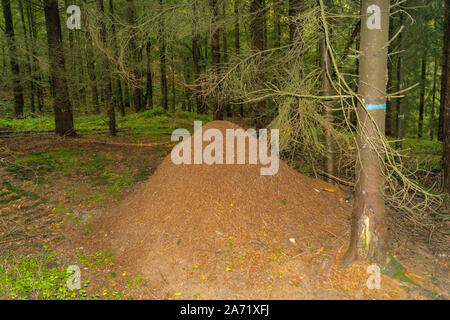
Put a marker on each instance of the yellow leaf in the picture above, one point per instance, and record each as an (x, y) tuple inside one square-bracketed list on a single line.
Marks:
[(227, 269), (329, 190), (178, 293)]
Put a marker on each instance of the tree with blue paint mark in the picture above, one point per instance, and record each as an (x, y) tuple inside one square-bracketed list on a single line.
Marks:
[(369, 232)]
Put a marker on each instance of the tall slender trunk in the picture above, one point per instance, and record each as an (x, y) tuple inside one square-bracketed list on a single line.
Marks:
[(162, 60), (172, 72), (62, 105), (106, 72), (17, 85), (71, 57), (445, 71), (225, 52), (37, 75), (277, 23), (119, 92), (215, 54), (433, 101), (237, 45), (149, 92), (90, 63), (257, 45), (295, 7), (369, 232), (196, 58), (326, 91), (422, 94), (3, 60), (136, 57), (389, 108), (446, 103), (28, 61), (265, 35), (400, 85), (81, 72)]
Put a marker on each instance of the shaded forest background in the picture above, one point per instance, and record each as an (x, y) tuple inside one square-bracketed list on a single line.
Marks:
[(158, 54)]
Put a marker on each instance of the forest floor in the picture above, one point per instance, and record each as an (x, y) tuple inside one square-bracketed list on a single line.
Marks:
[(52, 189)]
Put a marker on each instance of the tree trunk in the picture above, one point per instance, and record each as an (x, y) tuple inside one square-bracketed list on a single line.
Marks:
[(106, 72), (277, 23), (400, 85), (422, 94), (225, 52), (149, 92), (28, 61), (257, 45), (369, 233), (326, 91), (445, 71), (196, 58), (446, 104), (215, 54), (62, 106), (119, 92), (295, 7), (72, 81), (90, 63), (37, 76), (389, 108), (9, 32), (136, 58), (172, 72), (237, 45), (433, 101), (162, 61)]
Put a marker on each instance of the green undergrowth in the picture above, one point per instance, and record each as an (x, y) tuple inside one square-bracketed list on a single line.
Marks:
[(46, 276), (155, 121), (36, 166)]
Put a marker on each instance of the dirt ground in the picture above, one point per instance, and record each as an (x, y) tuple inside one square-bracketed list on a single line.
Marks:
[(75, 208)]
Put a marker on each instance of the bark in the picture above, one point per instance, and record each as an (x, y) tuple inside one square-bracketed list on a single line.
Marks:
[(149, 92), (277, 23), (422, 95), (389, 108), (119, 92), (225, 52), (215, 54), (369, 233), (28, 61), (295, 7), (37, 74), (196, 57), (257, 45), (90, 63), (172, 71), (62, 106), (73, 85), (162, 61), (136, 58), (433, 101), (326, 91), (237, 45), (445, 71), (106, 72), (10, 37), (400, 85), (446, 104)]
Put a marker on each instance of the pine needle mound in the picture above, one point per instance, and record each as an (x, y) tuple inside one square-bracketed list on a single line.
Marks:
[(226, 230)]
